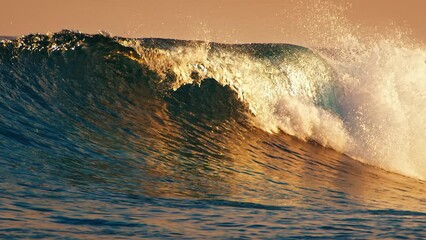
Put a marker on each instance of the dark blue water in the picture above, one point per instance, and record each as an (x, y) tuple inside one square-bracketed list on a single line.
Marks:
[(95, 145)]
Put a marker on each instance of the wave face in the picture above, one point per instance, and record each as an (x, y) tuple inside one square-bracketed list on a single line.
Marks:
[(153, 121)]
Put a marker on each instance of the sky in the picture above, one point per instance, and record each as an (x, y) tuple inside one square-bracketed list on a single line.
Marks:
[(229, 21)]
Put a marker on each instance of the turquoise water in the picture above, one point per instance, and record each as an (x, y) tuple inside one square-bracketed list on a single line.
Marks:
[(104, 138)]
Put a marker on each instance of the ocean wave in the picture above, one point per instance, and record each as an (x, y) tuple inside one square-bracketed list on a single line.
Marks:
[(66, 92)]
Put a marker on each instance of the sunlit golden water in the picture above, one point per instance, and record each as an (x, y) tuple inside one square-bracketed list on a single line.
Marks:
[(206, 177), (99, 151)]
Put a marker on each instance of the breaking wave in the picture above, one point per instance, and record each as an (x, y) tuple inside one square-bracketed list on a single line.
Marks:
[(69, 93)]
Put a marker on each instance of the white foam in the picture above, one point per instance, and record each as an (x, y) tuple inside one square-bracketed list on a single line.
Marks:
[(382, 92)]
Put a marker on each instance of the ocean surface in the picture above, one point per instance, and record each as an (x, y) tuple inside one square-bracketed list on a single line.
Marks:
[(115, 138)]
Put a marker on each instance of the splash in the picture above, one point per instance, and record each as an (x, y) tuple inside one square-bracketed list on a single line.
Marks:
[(381, 80), (382, 95)]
